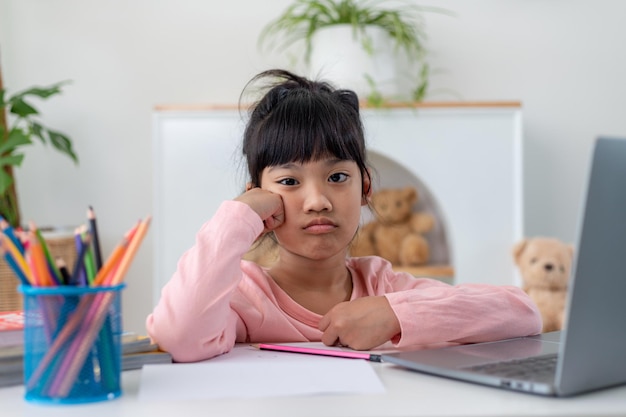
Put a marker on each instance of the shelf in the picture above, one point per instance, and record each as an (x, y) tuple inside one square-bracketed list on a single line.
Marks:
[(443, 273)]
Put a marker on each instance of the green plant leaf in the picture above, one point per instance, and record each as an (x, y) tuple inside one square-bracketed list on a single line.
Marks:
[(374, 98), (42, 92), (2, 102), (24, 129), (5, 179), (38, 130), (62, 143), (17, 137), (19, 107), (401, 20), (12, 160), (5, 182), (420, 91)]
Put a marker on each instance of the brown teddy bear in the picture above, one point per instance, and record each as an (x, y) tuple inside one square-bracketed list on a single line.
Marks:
[(545, 265), (397, 232)]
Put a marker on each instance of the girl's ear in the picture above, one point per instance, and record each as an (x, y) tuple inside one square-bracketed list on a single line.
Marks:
[(367, 189), (249, 186)]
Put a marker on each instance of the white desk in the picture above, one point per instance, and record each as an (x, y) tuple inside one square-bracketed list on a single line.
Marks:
[(408, 394)]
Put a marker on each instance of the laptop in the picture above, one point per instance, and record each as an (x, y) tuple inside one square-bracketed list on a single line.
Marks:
[(589, 352)]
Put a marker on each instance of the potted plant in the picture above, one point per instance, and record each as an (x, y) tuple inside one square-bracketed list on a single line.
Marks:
[(23, 131), (380, 29)]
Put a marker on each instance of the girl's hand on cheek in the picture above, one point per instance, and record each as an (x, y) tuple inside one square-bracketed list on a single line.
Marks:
[(269, 206), (361, 324)]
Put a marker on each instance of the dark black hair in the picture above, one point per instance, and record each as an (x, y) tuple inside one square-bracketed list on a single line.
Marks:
[(300, 120)]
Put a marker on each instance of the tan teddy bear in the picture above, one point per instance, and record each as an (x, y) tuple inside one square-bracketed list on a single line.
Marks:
[(545, 265), (397, 232)]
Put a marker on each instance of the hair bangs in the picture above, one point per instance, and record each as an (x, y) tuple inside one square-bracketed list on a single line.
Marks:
[(298, 120), (304, 130)]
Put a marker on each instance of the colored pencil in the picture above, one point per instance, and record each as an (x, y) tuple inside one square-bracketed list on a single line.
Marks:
[(78, 272), (295, 348), (90, 266), (18, 257), (13, 264), (10, 232), (70, 345), (80, 346), (53, 271), (62, 337), (65, 274), (97, 314), (111, 263), (130, 252), (74, 322), (93, 228), (37, 262)]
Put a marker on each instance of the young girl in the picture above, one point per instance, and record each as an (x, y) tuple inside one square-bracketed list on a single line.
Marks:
[(306, 158)]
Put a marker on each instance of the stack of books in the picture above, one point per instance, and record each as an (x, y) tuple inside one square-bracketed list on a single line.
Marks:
[(11, 347), (11, 366), (11, 328), (137, 350)]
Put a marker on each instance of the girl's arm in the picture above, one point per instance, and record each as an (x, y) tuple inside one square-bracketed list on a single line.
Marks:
[(411, 311), (193, 319), (432, 312)]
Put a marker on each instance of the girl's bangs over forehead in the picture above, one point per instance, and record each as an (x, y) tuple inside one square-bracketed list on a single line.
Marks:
[(303, 128)]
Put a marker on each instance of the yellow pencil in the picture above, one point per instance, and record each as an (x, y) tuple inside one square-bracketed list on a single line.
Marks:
[(17, 256)]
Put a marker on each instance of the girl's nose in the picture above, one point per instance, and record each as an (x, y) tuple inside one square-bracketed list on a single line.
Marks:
[(315, 199)]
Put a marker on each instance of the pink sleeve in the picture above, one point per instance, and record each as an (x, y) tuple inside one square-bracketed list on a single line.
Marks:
[(193, 319), (432, 312)]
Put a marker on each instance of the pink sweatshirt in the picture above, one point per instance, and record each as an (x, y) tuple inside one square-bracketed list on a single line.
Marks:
[(216, 299)]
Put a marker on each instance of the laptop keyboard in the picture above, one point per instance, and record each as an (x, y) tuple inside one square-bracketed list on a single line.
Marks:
[(536, 368)]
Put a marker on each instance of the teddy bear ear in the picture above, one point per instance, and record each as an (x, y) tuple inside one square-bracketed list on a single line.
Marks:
[(518, 249), (410, 193), (570, 251)]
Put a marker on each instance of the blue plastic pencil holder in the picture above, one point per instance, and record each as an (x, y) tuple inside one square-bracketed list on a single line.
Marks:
[(72, 343)]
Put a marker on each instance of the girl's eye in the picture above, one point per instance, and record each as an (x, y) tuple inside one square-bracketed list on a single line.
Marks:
[(288, 181), (339, 177)]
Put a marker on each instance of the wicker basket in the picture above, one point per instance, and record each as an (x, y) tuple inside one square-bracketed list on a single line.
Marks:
[(10, 298)]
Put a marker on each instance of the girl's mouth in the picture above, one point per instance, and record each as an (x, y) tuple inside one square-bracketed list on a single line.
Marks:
[(320, 226)]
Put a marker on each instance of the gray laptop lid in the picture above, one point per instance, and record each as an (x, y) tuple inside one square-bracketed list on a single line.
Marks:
[(594, 340), (591, 352)]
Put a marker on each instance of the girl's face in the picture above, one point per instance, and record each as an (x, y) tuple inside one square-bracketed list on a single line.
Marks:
[(322, 201)]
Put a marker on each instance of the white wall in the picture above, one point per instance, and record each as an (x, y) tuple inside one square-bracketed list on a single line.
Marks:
[(563, 59)]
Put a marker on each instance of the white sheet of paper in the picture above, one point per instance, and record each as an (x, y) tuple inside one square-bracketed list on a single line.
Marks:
[(247, 372)]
